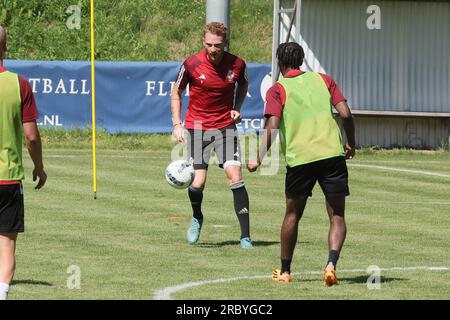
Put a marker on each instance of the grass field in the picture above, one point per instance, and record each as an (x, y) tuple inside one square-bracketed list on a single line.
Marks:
[(130, 242)]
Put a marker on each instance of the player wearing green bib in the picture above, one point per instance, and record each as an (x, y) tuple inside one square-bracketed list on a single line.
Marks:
[(300, 106), (18, 114)]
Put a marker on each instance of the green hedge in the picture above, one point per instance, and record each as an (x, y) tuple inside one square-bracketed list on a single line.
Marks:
[(139, 30)]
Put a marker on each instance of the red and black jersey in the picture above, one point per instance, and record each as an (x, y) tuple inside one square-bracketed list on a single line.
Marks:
[(211, 89)]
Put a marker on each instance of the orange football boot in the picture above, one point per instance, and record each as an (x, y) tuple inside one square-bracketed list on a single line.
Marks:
[(329, 276), (277, 276)]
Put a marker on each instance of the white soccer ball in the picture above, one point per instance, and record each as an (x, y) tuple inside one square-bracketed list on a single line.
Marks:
[(180, 174)]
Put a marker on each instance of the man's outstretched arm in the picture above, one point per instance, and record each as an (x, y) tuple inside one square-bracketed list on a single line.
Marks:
[(349, 127), (34, 145), (270, 132)]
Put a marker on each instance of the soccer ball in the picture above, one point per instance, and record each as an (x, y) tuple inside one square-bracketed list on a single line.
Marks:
[(180, 174)]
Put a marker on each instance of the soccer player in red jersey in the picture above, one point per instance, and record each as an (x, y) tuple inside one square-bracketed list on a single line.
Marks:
[(217, 88), (18, 114), (300, 105)]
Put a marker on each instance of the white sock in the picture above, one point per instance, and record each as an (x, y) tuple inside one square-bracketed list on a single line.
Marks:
[(4, 288)]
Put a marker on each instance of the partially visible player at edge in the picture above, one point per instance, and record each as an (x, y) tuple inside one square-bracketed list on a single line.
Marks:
[(18, 114), (300, 104), (217, 88)]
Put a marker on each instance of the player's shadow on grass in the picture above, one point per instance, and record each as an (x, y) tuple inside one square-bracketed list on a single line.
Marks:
[(363, 279), (233, 243), (32, 282), (237, 243), (347, 280)]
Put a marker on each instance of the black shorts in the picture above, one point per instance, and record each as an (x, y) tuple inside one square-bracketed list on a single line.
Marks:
[(331, 173), (225, 143), (11, 208)]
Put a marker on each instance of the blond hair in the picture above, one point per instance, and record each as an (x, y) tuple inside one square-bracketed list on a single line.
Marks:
[(216, 28)]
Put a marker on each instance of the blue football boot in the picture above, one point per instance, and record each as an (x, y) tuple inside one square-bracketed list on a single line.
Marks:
[(193, 233)]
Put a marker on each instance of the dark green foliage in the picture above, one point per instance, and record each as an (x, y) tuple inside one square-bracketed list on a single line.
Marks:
[(140, 30)]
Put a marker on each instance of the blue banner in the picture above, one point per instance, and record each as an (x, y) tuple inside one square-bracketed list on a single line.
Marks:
[(131, 97)]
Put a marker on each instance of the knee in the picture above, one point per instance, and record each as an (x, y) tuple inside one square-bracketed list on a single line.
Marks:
[(196, 188), (295, 207), (236, 184), (337, 219), (294, 214), (234, 174), (198, 183)]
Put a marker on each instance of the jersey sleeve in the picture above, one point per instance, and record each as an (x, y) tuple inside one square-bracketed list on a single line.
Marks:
[(29, 108), (275, 100), (335, 92), (183, 76), (243, 77)]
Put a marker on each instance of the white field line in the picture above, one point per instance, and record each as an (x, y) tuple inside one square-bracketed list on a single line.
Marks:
[(402, 161), (61, 156), (350, 164), (281, 202), (428, 173), (155, 155), (421, 172), (165, 293), (428, 203), (104, 155)]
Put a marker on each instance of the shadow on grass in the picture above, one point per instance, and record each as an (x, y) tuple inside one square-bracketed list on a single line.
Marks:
[(363, 279), (346, 280), (237, 243), (32, 282)]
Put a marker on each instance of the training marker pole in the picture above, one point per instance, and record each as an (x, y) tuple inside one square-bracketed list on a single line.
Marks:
[(94, 133)]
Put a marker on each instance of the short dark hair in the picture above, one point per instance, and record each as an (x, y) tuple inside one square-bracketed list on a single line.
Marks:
[(290, 55)]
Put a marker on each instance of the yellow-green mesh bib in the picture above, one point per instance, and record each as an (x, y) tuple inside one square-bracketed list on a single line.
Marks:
[(309, 131), (11, 131)]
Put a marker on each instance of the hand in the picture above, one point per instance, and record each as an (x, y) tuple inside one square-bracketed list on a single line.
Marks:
[(42, 177), (253, 165), (178, 133), (349, 151), (236, 116)]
